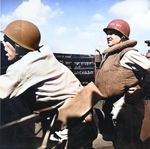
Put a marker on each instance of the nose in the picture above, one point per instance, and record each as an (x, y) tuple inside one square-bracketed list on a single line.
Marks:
[(108, 35), (4, 43)]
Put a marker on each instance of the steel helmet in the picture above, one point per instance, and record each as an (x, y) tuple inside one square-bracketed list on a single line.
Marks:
[(119, 25), (24, 33)]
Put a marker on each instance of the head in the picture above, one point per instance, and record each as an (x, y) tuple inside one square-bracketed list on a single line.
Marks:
[(4, 62), (117, 31), (20, 37)]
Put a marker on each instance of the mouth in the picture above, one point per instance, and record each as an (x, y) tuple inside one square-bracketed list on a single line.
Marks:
[(108, 41)]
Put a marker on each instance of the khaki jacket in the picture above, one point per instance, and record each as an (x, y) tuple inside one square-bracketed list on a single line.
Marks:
[(54, 81)]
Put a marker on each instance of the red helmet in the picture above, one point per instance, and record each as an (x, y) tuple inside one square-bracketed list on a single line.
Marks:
[(119, 25)]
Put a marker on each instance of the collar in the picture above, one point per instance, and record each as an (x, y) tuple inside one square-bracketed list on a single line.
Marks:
[(119, 47)]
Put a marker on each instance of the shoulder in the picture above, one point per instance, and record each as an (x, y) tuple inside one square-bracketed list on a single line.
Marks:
[(132, 52), (45, 50), (32, 57), (136, 57), (43, 53)]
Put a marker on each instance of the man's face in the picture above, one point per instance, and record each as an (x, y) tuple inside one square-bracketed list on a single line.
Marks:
[(113, 37), (11, 52)]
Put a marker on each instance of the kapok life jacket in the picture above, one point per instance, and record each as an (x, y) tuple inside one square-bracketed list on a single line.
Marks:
[(112, 79)]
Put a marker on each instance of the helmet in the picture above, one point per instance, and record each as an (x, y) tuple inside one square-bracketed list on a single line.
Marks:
[(24, 33), (119, 25)]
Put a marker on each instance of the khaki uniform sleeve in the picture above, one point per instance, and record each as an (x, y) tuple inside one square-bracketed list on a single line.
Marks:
[(141, 65)]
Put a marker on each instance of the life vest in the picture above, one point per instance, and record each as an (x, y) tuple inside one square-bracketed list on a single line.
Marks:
[(112, 79)]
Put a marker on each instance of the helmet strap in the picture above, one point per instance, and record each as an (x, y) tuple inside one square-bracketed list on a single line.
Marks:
[(20, 51), (7, 39), (123, 38)]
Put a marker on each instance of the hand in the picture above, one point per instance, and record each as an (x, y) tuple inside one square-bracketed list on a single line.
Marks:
[(133, 89)]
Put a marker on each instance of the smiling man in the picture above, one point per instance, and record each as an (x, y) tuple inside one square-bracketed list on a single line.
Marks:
[(123, 78)]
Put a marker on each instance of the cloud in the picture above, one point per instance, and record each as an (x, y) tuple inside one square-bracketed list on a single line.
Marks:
[(129, 7), (136, 12), (59, 31), (78, 42), (95, 26), (98, 17), (34, 11), (141, 21)]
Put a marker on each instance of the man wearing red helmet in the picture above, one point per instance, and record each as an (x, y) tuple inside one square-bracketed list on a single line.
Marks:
[(123, 78)]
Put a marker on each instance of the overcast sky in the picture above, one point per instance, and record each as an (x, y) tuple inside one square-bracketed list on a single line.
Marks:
[(76, 26)]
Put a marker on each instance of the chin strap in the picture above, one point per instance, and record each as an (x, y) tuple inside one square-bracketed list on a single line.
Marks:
[(20, 51)]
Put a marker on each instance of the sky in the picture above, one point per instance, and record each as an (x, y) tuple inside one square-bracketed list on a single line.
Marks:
[(76, 26)]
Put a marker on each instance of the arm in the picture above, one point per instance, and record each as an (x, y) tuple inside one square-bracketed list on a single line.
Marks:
[(8, 82), (141, 65), (23, 74)]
